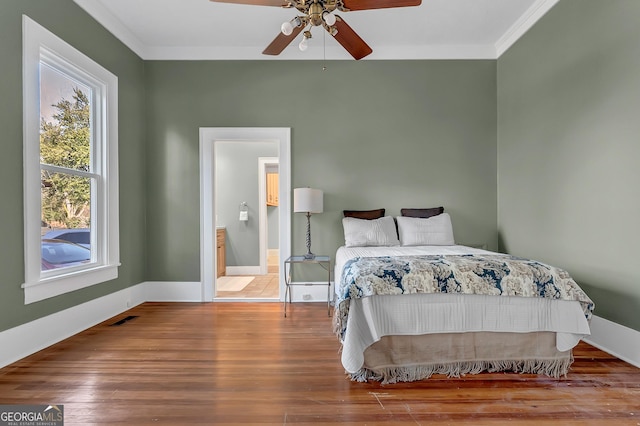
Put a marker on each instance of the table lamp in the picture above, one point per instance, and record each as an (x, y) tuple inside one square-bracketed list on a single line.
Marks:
[(309, 201)]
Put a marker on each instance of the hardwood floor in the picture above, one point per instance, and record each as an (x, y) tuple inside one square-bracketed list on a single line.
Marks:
[(243, 363)]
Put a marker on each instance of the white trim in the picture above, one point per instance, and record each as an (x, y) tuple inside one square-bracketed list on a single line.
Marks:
[(262, 217), (430, 52), (316, 291), (172, 291), (101, 14), (39, 44), (208, 249), (247, 300), (208, 137), (263, 226), (615, 339), (423, 52), (244, 270), (523, 24), (54, 286), (56, 327)]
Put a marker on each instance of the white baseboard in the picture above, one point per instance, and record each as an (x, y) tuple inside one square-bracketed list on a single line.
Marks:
[(243, 270), (310, 292), (56, 327), (53, 328), (618, 340), (615, 339), (173, 291)]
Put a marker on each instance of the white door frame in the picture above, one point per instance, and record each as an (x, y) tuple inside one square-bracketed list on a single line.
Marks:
[(262, 210), (208, 137)]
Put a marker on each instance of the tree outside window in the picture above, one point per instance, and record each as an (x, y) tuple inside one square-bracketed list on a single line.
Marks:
[(65, 142)]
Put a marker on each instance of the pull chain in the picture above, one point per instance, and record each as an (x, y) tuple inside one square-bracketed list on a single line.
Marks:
[(324, 51)]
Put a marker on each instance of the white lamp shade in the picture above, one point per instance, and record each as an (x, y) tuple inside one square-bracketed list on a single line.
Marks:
[(307, 200)]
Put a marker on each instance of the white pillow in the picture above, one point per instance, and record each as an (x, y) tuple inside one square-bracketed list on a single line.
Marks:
[(364, 232), (432, 231)]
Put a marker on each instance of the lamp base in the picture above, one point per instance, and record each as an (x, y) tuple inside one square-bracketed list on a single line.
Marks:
[(309, 255)]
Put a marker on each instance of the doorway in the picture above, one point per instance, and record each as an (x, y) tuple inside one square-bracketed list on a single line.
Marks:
[(269, 201), (246, 217), (210, 139)]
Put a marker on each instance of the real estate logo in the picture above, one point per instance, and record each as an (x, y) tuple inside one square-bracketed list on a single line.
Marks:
[(31, 415)]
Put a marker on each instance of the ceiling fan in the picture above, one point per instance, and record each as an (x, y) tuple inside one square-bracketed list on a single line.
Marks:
[(320, 13)]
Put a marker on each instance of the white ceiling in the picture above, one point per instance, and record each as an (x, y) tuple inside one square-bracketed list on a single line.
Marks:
[(201, 29)]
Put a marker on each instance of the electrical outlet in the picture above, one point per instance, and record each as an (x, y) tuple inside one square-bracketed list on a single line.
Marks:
[(306, 297)]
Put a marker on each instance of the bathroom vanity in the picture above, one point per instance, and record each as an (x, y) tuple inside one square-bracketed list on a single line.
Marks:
[(221, 268)]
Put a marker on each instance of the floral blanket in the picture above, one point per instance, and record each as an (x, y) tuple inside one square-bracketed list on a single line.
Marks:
[(500, 275)]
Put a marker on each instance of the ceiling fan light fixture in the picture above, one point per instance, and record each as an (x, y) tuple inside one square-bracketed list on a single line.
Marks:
[(315, 14), (303, 44), (287, 27), (329, 18)]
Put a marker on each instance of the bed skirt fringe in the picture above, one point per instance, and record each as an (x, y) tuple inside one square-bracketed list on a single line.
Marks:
[(338, 321), (550, 367)]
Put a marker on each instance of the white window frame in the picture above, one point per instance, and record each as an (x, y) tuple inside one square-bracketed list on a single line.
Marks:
[(38, 45)]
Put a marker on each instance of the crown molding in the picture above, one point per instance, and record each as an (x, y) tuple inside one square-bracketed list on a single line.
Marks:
[(109, 21), (112, 24), (523, 24), (316, 53)]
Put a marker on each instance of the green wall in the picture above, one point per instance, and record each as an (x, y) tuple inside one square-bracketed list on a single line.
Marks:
[(72, 24), (568, 149), (562, 104), (370, 134)]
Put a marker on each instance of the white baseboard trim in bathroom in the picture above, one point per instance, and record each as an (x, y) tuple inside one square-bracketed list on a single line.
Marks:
[(243, 270)]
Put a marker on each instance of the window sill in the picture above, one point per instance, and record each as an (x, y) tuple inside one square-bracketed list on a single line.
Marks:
[(61, 284)]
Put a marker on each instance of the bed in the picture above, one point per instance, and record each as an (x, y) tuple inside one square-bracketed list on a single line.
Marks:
[(411, 303)]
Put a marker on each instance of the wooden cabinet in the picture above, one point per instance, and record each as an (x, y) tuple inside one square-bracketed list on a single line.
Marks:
[(220, 253), (272, 189)]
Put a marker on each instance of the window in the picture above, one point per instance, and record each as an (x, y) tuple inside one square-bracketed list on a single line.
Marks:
[(70, 167)]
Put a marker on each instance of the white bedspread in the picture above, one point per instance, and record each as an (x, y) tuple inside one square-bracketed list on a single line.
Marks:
[(371, 318)]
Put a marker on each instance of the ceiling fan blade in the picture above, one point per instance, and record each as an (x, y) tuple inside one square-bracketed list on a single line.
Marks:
[(277, 3), (378, 4), (351, 41), (281, 41)]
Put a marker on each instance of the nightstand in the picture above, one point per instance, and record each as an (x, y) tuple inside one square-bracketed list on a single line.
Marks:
[(323, 261)]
